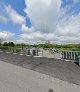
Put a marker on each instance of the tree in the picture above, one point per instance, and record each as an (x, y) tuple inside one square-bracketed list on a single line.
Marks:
[(11, 44), (5, 44), (22, 44)]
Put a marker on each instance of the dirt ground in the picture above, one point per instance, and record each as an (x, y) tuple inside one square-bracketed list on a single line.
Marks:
[(66, 71)]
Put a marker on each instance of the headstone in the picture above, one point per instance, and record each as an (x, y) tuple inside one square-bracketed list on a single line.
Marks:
[(28, 52), (34, 52), (64, 55), (37, 52), (67, 55), (72, 55), (76, 55), (21, 52), (31, 52), (79, 60)]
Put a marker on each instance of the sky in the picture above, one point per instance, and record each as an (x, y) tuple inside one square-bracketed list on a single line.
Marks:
[(38, 21)]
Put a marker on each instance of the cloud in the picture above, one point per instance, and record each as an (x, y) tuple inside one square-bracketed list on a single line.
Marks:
[(5, 35), (68, 29), (76, 1), (52, 22), (14, 16), (34, 37), (25, 29), (3, 19), (43, 14)]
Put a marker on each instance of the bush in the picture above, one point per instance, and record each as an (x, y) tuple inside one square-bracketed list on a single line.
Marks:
[(4, 48)]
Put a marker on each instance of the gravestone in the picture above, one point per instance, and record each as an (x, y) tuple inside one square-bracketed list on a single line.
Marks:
[(28, 52), (76, 55), (67, 55), (72, 55), (79, 60), (34, 52), (64, 55)]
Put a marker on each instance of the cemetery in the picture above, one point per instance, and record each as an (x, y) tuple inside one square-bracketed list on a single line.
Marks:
[(47, 65), (72, 55), (49, 53), (50, 66)]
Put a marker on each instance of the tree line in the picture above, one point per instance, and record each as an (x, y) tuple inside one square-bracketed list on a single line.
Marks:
[(45, 45)]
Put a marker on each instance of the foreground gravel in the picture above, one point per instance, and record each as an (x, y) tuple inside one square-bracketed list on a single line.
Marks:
[(66, 71), (16, 79)]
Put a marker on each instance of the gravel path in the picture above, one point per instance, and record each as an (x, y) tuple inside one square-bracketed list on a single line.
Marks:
[(66, 71), (17, 79)]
